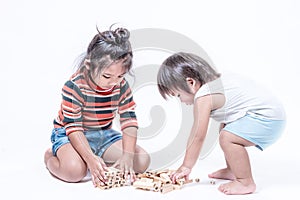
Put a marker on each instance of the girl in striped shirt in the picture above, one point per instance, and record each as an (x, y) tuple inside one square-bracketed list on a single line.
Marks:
[(83, 138)]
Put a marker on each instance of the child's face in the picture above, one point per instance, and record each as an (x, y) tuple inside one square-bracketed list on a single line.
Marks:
[(111, 76), (185, 97)]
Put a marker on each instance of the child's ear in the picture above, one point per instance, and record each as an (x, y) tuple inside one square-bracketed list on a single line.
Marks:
[(192, 84), (190, 81)]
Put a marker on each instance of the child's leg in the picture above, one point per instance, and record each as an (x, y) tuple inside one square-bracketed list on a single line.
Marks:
[(141, 159), (67, 165), (237, 157)]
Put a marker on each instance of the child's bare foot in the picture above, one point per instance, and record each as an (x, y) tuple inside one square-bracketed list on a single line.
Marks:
[(48, 154), (237, 187), (222, 174)]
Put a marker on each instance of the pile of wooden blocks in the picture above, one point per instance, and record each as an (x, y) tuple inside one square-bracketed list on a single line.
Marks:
[(158, 181), (114, 179)]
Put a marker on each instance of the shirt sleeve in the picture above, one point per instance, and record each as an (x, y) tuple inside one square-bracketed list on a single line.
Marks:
[(71, 108), (127, 107)]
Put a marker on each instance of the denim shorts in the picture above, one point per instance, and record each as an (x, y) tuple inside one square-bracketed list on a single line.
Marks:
[(262, 132), (99, 140)]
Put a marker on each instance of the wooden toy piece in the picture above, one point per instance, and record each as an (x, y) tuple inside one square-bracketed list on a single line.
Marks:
[(114, 179), (157, 186), (180, 181), (177, 187), (161, 171), (146, 185), (158, 181), (213, 182), (166, 188), (166, 177), (141, 175), (197, 180), (146, 180), (104, 187)]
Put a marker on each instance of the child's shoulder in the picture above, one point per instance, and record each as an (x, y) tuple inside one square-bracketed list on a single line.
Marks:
[(77, 76), (76, 80)]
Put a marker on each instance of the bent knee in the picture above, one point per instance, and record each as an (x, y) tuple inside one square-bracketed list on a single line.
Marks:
[(224, 138), (142, 161), (74, 171)]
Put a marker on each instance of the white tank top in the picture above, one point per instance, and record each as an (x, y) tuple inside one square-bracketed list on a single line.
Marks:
[(242, 96)]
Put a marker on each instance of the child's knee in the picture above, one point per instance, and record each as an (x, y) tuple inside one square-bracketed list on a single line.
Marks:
[(142, 161), (224, 139), (48, 154), (75, 172)]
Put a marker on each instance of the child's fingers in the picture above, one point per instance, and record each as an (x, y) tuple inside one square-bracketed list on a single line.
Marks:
[(179, 175), (175, 177), (116, 164), (98, 174), (132, 175), (98, 179)]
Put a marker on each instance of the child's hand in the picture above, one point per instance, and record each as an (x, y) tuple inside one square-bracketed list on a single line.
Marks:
[(181, 172), (97, 168), (125, 164)]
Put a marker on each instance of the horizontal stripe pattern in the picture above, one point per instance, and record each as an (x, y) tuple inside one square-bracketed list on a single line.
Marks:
[(84, 107)]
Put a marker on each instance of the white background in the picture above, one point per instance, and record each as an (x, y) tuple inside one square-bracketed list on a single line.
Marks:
[(41, 39)]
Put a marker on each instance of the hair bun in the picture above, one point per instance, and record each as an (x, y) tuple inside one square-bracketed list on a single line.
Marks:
[(121, 35), (117, 37)]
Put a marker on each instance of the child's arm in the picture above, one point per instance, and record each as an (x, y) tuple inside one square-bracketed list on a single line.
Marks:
[(129, 127), (94, 163), (129, 141), (202, 108), (125, 163)]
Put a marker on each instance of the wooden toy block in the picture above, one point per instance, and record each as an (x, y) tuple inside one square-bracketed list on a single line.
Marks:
[(197, 180), (180, 181), (146, 180), (114, 179), (161, 171), (144, 185), (167, 188), (156, 181), (159, 181), (105, 187), (165, 176), (177, 187)]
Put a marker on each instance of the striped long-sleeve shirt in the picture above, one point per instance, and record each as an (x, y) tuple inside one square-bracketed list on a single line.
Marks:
[(85, 106)]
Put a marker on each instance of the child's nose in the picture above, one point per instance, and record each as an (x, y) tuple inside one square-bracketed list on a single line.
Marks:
[(113, 82)]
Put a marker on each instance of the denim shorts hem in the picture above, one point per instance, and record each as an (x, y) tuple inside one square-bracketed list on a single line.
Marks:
[(99, 140)]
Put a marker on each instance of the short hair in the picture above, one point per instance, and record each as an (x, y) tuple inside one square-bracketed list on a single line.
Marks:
[(178, 67)]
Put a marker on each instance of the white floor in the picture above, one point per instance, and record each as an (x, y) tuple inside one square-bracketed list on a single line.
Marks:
[(40, 40), (24, 177)]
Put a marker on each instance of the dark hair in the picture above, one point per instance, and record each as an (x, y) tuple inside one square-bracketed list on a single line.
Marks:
[(177, 67), (106, 48)]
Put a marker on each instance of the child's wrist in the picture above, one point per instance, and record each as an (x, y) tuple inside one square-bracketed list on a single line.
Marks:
[(186, 166), (128, 154)]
